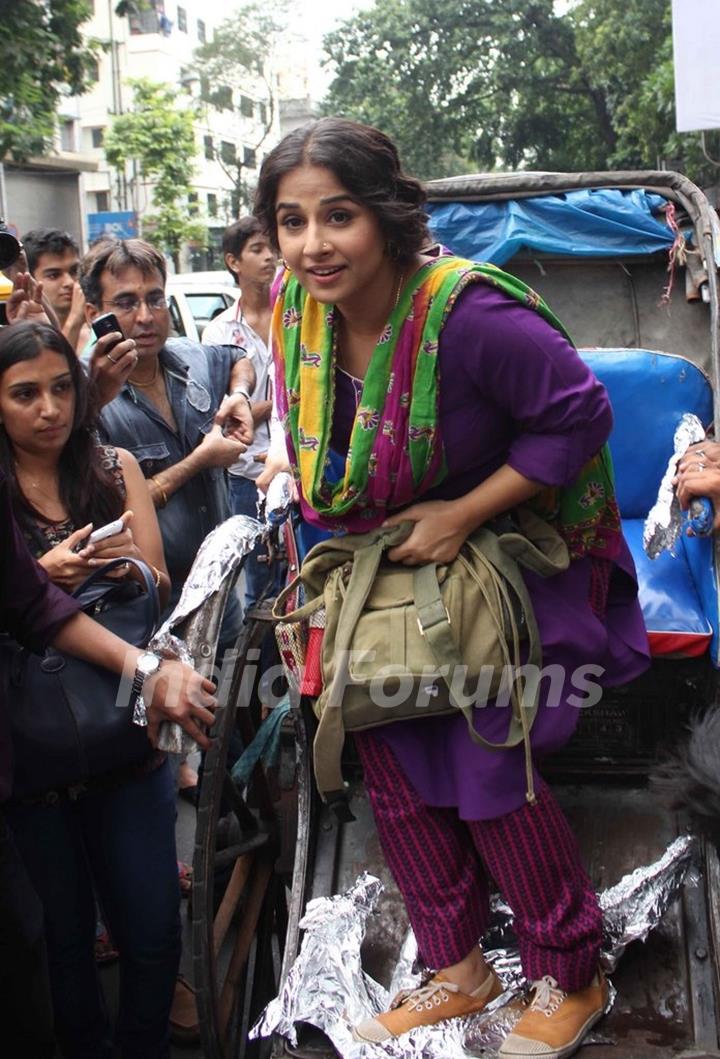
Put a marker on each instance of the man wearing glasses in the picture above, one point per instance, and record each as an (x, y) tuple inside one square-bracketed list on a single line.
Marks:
[(182, 409)]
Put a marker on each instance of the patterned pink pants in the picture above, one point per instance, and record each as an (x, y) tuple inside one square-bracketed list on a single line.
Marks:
[(441, 865)]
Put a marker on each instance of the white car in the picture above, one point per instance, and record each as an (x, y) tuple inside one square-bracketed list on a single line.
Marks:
[(196, 298)]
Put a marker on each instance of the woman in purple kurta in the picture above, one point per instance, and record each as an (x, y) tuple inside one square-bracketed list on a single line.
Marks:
[(517, 410), (514, 390)]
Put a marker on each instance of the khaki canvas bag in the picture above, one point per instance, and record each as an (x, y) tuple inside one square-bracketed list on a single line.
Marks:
[(406, 642)]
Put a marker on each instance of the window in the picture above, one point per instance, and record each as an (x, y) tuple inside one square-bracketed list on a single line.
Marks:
[(102, 201), (93, 72), (249, 157), (263, 113), (222, 97), (202, 36), (67, 135), (205, 307), (246, 106), (98, 136), (143, 19), (205, 93), (209, 147), (212, 204), (227, 152), (182, 19), (177, 327), (193, 203)]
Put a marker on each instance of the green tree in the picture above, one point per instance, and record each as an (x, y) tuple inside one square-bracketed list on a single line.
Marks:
[(513, 83), (42, 55), (159, 139), (240, 52)]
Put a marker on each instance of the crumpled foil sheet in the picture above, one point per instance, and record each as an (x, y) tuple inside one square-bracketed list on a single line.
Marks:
[(328, 988), (664, 522), (219, 555), (279, 499)]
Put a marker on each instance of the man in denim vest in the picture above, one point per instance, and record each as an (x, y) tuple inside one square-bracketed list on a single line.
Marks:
[(184, 409)]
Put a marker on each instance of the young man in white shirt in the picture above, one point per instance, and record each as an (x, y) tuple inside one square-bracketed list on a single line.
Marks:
[(251, 261)]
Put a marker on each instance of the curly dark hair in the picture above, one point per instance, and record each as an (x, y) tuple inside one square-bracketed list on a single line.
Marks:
[(87, 490), (366, 162)]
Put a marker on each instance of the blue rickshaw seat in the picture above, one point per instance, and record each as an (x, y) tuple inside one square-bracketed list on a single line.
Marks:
[(649, 392)]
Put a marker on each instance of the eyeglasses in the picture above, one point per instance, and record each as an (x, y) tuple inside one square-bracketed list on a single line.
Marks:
[(128, 303)]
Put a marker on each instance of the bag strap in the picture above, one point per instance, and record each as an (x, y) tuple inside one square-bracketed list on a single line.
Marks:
[(330, 733), (114, 564), (435, 626)]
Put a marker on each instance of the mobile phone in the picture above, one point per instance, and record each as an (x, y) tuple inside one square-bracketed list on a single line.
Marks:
[(108, 530), (105, 325)]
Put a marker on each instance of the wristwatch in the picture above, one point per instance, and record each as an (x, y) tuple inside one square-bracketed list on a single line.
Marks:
[(147, 665)]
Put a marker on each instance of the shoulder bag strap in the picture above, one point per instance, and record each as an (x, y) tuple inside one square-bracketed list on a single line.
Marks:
[(148, 581), (435, 626), (330, 734)]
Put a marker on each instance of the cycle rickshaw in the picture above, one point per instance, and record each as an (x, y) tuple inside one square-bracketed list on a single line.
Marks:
[(629, 262)]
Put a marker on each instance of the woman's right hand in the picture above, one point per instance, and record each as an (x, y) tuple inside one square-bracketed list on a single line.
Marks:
[(63, 565), (179, 694)]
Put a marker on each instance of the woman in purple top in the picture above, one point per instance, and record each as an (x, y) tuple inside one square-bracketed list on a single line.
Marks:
[(440, 390)]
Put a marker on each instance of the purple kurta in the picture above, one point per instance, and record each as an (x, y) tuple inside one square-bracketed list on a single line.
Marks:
[(513, 391)]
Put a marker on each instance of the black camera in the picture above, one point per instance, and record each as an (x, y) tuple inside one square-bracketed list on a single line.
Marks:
[(9, 246)]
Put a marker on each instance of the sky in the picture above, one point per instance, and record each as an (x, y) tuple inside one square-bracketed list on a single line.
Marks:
[(311, 20)]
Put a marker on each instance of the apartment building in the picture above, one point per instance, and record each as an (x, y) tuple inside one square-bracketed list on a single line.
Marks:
[(157, 42)]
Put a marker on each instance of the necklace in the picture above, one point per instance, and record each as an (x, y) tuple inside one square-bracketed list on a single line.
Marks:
[(150, 382), (357, 382), (54, 500)]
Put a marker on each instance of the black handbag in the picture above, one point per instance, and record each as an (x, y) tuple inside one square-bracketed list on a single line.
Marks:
[(67, 724)]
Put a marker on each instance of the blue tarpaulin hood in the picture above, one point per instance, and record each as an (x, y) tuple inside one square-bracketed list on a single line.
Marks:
[(604, 222)]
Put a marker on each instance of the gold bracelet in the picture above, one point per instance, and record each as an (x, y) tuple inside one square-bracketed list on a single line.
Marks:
[(163, 494), (156, 573)]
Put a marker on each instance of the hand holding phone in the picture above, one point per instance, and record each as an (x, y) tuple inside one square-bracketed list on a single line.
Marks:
[(112, 360), (106, 325), (110, 529), (111, 541)]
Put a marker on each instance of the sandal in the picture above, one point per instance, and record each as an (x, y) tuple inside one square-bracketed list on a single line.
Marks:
[(105, 951), (184, 1021)]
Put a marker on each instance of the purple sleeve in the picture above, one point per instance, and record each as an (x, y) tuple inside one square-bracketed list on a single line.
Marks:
[(528, 371), (31, 608)]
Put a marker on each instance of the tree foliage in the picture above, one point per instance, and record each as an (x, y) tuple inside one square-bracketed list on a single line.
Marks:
[(159, 138), (471, 84), (42, 55), (240, 52)]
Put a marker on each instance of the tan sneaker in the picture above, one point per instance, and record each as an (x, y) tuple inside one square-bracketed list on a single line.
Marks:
[(556, 1022), (439, 999)]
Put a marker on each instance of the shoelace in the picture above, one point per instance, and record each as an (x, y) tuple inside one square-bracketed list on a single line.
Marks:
[(434, 993), (548, 996)]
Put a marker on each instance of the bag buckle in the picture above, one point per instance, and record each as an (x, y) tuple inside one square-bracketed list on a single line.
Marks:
[(435, 614)]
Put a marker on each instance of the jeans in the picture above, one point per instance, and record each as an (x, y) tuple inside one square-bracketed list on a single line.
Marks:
[(26, 1017), (119, 843), (259, 576)]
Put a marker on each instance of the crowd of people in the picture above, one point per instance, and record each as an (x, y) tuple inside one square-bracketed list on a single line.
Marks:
[(170, 436), (137, 427)]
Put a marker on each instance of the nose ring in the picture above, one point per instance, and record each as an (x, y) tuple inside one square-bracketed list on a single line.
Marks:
[(324, 246)]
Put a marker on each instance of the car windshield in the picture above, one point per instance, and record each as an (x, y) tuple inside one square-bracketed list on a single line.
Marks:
[(205, 307)]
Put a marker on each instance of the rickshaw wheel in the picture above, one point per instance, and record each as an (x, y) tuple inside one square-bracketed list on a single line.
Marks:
[(239, 908)]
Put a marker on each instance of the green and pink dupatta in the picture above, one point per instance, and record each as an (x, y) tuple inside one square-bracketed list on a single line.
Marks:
[(396, 451)]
